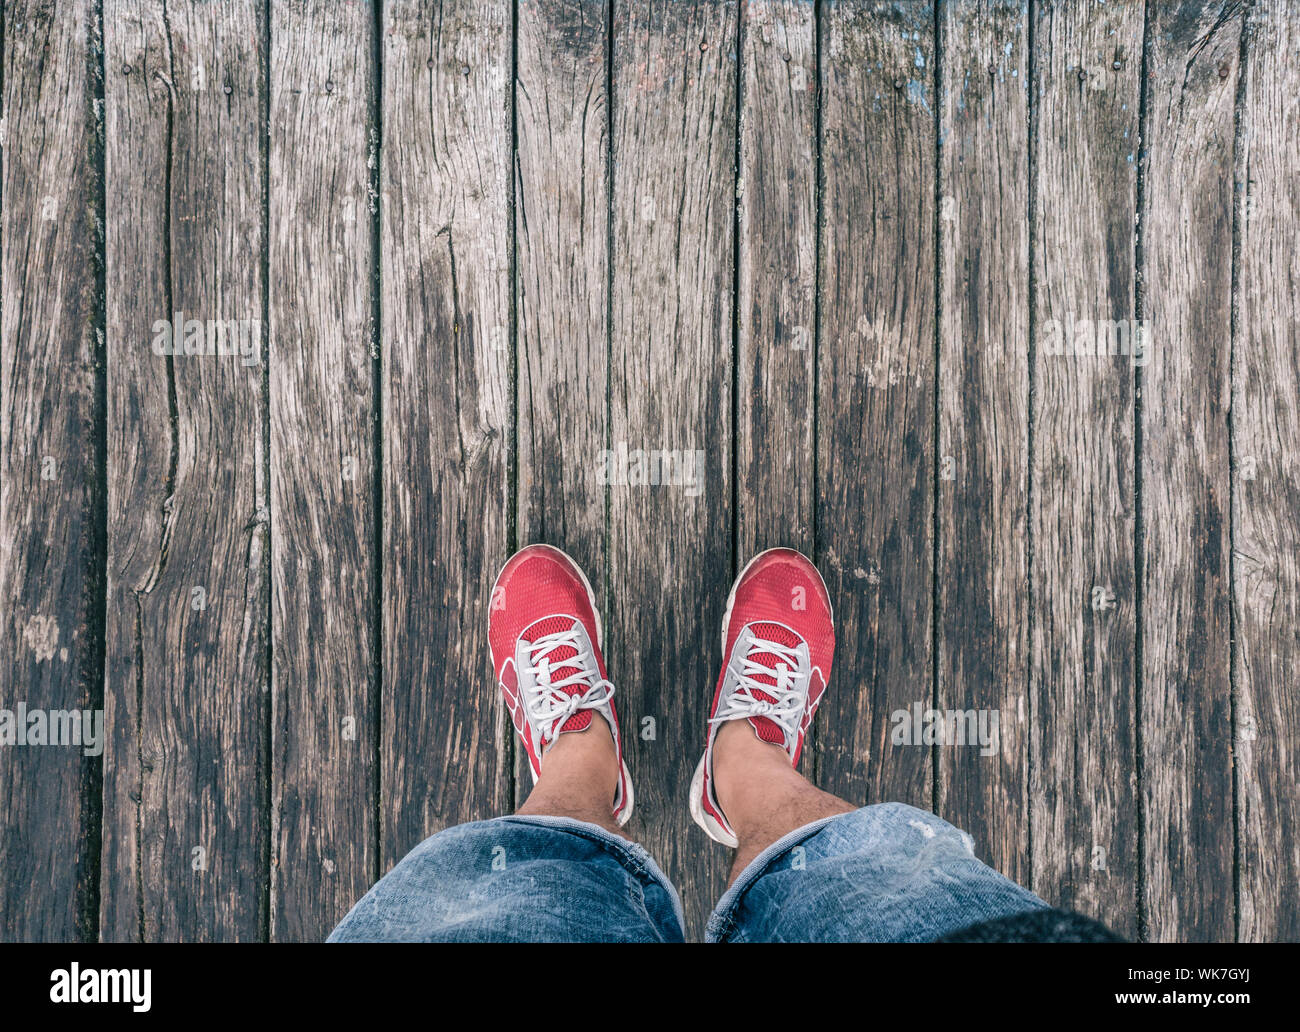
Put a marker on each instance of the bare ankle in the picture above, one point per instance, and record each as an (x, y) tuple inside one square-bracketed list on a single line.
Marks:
[(579, 778), (592, 747), (746, 771), (762, 795)]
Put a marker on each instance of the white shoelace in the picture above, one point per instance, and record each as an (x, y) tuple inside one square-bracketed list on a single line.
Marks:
[(550, 706), (791, 697)]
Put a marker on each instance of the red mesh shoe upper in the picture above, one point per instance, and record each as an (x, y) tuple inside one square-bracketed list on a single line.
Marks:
[(781, 592), (765, 727), (553, 625), (537, 583)]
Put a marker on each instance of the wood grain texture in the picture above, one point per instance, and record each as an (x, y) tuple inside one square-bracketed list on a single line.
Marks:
[(185, 819), (1084, 807), (982, 578), (776, 279), (875, 417), (776, 282), (51, 557), (674, 77), (561, 292), (322, 415), (1266, 482), (756, 231), (444, 175), (1186, 291)]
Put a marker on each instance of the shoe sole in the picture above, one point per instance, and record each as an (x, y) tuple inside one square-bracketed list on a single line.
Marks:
[(701, 816), (626, 815)]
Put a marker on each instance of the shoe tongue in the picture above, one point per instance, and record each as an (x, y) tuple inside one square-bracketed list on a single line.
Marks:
[(766, 728), (578, 722), (581, 720)]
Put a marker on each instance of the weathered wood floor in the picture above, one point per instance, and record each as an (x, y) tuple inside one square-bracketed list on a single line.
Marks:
[(855, 257)]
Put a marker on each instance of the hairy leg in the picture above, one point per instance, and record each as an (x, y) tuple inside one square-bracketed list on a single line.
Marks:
[(579, 778), (763, 797)]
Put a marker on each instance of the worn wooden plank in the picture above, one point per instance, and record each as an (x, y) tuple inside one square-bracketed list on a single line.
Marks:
[(674, 139), (186, 827), (445, 358), (50, 499), (776, 279), (561, 225), (1083, 610), (875, 432), (776, 256), (322, 414), (1266, 489), (1186, 300), (982, 578)]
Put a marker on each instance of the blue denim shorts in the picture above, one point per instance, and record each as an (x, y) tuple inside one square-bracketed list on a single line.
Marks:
[(884, 873)]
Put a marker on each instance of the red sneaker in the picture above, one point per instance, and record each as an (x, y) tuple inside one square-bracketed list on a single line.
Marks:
[(545, 636), (778, 640)]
